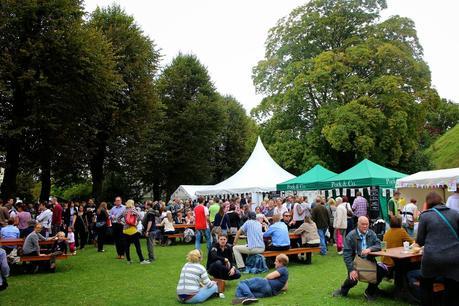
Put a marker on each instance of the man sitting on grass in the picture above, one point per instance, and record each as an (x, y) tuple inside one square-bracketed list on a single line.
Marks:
[(248, 291)]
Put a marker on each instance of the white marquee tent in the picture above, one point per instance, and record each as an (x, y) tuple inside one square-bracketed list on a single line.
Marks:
[(418, 185), (259, 174), (185, 192)]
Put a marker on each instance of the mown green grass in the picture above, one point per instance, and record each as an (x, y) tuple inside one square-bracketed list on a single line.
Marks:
[(92, 278), (444, 152)]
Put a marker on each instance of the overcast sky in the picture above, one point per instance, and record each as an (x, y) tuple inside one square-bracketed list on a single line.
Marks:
[(228, 36)]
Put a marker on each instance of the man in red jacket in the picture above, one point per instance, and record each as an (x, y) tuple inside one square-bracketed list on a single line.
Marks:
[(201, 215), (56, 222)]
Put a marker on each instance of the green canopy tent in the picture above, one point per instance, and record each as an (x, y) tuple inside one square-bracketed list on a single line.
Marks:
[(308, 180), (364, 174)]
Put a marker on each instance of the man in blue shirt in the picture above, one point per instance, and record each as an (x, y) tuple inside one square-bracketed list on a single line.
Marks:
[(116, 214), (9, 232), (278, 231), (248, 291), (255, 244)]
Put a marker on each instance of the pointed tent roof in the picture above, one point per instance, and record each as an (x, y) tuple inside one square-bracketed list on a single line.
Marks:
[(364, 174), (308, 180), (260, 173)]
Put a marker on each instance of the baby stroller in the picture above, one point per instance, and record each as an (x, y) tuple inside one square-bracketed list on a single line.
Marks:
[(379, 227)]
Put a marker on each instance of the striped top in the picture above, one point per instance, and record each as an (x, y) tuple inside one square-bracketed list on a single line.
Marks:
[(192, 275)]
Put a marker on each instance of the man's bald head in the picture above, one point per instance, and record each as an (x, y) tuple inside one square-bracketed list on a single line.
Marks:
[(363, 224)]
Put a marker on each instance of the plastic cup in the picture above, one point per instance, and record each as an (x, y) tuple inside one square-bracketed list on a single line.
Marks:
[(383, 246)]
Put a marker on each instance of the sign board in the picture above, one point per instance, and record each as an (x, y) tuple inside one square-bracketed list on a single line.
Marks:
[(374, 203)]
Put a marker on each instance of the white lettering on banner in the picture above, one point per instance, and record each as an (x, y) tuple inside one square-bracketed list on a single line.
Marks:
[(390, 181), (340, 184)]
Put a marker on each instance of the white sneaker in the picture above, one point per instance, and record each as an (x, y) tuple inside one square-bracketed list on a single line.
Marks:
[(145, 262), (340, 253)]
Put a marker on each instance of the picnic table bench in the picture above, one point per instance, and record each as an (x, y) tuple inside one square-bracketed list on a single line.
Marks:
[(26, 258), (20, 242)]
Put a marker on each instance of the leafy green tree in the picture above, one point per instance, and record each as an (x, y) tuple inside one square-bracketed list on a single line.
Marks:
[(341, 86), (237, 139), (50, 64), (120, 131), (192, 125)]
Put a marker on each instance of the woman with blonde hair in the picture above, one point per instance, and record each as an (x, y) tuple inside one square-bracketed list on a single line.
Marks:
[(131, 235), (340, 224), (168, 223), (194, 285)]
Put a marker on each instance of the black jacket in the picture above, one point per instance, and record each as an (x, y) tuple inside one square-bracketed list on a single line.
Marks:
[(441, 247), (216, 253)]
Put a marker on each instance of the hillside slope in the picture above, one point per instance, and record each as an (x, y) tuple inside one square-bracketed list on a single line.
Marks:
[(444, 152)]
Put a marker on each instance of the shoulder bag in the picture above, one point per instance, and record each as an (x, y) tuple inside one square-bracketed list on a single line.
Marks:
[(365, 268), (447, 223)]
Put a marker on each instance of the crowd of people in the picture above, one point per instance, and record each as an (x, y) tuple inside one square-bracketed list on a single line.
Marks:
[(265, 226)]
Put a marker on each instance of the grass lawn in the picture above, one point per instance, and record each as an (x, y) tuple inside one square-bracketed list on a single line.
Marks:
[(92, 278)]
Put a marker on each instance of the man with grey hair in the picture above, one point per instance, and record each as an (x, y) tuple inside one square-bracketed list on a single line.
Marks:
[(360, 242), (255, 244)]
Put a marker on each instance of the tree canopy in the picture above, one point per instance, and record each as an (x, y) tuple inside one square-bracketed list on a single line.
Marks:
[(342, 85)]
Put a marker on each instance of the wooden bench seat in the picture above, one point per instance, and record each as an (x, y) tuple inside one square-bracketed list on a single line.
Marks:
[(42, 258), (179, 235), (291, 251)]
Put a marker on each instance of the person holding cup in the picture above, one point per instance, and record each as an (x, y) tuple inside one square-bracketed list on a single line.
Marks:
[(395, 237)]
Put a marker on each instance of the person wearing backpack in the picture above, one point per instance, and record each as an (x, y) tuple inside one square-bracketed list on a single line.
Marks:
[(131, 235), (149, 225)]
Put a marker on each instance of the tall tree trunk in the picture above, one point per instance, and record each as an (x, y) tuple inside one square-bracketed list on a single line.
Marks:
[(45, 177), (9, 186), (156, 191), (97, 171)]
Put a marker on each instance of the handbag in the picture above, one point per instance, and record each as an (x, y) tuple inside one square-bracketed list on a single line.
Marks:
[(217, 230), (366, 269)]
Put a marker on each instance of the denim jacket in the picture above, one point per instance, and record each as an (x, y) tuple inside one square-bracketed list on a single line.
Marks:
[(351, 249)]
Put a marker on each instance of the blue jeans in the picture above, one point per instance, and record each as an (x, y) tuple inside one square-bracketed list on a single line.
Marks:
[(323, 241), (203, 294), (254, 288), (199, 233)]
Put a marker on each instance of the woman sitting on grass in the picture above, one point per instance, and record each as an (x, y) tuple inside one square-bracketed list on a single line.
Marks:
[(194, 285)]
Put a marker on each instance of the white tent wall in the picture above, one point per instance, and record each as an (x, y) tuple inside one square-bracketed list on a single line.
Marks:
[(420, 194), (185, 192), (419, 184)]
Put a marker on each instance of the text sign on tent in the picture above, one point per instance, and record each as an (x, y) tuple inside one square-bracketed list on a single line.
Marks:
[(374, 203)]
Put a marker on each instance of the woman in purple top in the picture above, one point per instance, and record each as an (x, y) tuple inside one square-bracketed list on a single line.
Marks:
[(24, 218)]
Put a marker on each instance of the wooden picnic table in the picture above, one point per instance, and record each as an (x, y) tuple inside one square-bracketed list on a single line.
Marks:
[(20, 242), (403, 262), (179, 226)]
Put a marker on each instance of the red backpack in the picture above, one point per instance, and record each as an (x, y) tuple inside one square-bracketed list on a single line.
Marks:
[(131, 219)]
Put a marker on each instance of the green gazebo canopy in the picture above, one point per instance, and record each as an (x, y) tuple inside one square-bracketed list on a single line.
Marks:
[(308, 180), (364, 174)]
